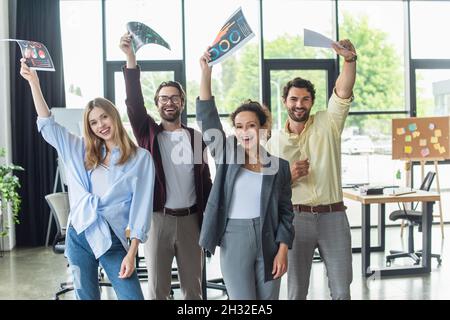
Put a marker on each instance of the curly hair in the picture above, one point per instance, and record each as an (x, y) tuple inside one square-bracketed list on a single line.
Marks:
[(299, 83), (262, 113)]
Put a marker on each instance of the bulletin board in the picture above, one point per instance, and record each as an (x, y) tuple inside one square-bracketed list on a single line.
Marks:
[(421, 138)]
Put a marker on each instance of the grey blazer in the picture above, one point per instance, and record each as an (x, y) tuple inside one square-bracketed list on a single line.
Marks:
[(276, 206)]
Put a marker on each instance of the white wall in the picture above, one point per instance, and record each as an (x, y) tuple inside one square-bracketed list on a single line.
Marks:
[(5, 103)]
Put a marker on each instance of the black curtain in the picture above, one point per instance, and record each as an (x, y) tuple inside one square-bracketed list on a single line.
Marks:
[(36, 20)]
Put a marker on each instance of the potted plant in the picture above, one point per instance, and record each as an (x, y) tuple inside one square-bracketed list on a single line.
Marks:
[(9, 186)]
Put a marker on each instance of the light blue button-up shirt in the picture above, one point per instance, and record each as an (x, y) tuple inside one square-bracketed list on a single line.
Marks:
[(127, 203)]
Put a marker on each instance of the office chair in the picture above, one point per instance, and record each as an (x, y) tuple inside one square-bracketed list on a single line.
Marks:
[(413, 217), (60, 208)]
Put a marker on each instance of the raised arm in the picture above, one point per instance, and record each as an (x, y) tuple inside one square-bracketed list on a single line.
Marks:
[(346, 79), (206, 113), (139, 118), (205, 80), (69, 147), (33, 80), (125, 45)]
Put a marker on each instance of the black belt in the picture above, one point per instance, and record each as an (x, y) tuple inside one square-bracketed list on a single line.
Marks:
[(181, 212)]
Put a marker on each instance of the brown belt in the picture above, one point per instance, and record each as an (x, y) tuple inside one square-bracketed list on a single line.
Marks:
[(180, 212), (333, 207)]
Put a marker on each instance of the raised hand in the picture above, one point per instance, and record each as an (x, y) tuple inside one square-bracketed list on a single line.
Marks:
[(204, 59), (205, 80), (33, 80), (27, 73), (126, 46), (345, 49), (346, 80)]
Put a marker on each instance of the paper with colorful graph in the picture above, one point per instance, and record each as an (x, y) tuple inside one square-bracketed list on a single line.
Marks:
[(233, 35), (36, 54), (143, 34)]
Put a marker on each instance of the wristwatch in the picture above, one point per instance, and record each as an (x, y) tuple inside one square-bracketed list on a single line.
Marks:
[(352, 59)]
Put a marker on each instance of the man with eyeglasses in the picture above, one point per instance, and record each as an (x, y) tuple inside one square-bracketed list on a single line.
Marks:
[(182, 183)]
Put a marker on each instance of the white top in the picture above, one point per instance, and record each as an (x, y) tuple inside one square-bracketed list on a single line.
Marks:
[(99, 180), (178, 163), (246, 197)]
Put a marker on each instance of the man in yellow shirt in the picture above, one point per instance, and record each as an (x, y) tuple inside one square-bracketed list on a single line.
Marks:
[(312, 145)]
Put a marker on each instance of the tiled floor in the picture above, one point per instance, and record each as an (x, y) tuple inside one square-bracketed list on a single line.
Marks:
[(35, 273)]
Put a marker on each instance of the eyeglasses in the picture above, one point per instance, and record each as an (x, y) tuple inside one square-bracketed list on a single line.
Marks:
[(176, 99)]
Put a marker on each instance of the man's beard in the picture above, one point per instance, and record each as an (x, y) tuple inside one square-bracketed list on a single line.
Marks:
[(170, 118), (303, 118)]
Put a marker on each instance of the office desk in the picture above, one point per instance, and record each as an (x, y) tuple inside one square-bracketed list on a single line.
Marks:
[(427, 199)]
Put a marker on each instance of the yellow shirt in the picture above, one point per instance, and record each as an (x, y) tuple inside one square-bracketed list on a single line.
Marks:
[(320, 142)]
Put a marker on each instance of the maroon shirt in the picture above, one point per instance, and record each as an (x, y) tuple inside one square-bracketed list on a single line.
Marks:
[(146, 130)]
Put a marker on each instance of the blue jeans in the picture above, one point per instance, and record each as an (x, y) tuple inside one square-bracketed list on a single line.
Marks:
[(84, 268)]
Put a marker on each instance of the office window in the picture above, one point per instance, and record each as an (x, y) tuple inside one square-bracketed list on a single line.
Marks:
[(376, 29), (429, 26), (433, 92), (284, 23), (163, 16), (81, 32), (366, 149), (150, 80), (236, 78)]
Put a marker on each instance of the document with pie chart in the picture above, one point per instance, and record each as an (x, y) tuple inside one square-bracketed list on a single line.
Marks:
[(36, 54)]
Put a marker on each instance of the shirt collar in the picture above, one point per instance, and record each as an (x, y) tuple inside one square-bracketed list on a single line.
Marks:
[(113, 151)]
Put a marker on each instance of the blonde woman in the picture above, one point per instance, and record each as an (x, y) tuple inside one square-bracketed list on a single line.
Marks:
[(110, 183)]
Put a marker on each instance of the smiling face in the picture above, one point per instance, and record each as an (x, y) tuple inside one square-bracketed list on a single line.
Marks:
[(170, 103), (101, 124), (298, 104), (247, 128)]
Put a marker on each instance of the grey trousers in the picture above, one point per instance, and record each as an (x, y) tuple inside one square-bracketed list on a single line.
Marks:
[(241, 262), (330, 232), (170, 237)]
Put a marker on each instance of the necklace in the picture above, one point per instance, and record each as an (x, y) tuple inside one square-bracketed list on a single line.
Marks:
[(252, 167)]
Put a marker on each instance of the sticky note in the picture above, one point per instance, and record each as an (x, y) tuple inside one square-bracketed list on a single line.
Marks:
[(416, 134), (442, 150), (400, 131), (412, 127), (408, 149), (425, 152), (437, 146), (408, 138), (422, 142), (431, 126), (438, 133), (434, 140)]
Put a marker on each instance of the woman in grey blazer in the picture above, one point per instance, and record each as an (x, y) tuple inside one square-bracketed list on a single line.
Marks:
[(249, 211)]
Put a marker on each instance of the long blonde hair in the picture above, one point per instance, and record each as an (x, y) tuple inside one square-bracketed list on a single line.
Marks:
[(94, 144)]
